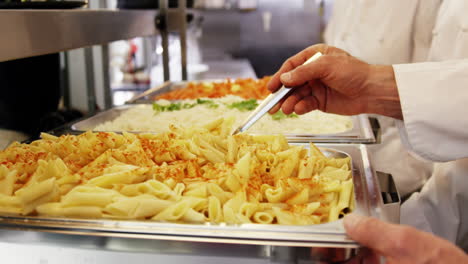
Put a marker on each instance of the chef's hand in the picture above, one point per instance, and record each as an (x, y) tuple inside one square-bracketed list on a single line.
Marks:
[(399, 244), (337, 83)]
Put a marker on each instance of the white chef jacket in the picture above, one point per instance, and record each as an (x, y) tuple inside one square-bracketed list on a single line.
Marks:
[(381, 31), (436, 127), (440, 207), (352, 22), (450, 33), (435, 124)]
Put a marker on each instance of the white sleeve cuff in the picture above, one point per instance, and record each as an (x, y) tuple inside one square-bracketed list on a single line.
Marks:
[(433, 99)]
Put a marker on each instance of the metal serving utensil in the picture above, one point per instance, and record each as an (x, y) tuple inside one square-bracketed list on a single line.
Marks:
[(268, 103)]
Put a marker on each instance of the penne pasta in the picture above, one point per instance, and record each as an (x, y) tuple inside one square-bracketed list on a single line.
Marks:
[(189, 175)]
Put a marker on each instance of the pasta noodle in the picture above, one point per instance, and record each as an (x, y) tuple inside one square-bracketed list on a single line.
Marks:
[(189, 175)]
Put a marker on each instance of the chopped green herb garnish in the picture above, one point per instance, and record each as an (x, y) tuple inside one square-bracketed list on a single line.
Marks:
[(171, 107), (204, 101), (174, 107), (188, 106), (208, 103), (280, 115), (179, 106), (157, 108), (246, 105)]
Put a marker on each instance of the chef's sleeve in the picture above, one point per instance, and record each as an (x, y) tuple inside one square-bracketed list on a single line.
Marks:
[(434, 102)]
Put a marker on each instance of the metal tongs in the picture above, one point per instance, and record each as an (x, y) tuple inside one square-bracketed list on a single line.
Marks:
[(268, 103)]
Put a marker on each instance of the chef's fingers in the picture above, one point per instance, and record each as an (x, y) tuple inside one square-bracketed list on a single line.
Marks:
[(296, 95), (314, 97), (293, 62), (401, 244), (365, 256), (313, 71), (307, 104), (277, 107), (371, 258), (385, 238)]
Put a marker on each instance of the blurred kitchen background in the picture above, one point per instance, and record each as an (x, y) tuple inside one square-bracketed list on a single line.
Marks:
[(225, 39)]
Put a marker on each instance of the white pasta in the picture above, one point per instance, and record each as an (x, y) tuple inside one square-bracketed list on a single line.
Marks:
[(144, 119)]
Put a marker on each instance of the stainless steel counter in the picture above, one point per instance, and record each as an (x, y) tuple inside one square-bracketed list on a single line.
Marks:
[(48, 248)]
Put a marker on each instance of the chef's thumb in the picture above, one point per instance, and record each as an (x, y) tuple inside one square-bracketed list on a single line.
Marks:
[(400, 243), (304, 73), (373, 233)]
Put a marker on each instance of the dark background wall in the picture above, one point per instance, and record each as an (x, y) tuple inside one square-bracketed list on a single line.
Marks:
[(295, 24)]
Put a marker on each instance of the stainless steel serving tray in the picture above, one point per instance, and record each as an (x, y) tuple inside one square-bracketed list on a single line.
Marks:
[(371, 200), (360, 133)]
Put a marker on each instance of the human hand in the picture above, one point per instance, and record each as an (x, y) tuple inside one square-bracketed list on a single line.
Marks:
[(337, 83), (399, 244)]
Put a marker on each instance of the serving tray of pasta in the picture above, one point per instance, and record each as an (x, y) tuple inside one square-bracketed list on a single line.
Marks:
[(189, 184), (314, 126)]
